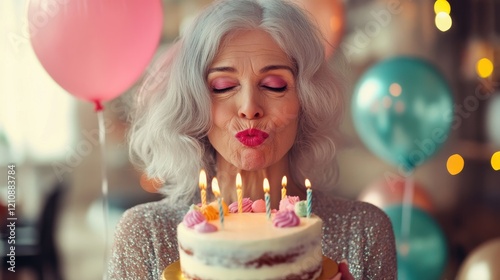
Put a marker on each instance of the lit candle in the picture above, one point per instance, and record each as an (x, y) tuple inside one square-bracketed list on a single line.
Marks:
[(267, 198), (283, 189), (309, 198), (239, 193), (203, 187), (216, 191)]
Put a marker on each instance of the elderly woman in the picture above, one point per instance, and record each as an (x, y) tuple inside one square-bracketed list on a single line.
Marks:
[(248, 90)]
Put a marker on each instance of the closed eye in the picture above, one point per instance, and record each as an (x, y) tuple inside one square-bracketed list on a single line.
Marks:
[(222, 90), (276, 89)]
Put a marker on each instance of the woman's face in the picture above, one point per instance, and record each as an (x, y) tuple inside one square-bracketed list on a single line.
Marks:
[(255, 105)]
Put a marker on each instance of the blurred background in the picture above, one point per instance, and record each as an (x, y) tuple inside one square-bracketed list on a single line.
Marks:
[(52, 137)]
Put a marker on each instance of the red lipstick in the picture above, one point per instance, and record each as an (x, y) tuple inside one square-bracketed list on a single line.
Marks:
[(251, 137)]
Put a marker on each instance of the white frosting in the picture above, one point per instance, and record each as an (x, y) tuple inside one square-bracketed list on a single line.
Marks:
[(231, 252)]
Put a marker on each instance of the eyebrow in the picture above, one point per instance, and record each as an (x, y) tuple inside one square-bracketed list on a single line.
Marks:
[(263, 70)]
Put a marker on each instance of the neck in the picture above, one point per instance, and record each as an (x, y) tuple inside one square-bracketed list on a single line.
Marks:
[(252, 181)]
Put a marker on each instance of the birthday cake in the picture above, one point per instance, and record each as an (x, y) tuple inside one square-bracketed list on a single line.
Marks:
[(252, 244)]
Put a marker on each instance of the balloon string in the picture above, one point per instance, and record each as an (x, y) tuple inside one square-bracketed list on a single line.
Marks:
[(104, 183), (406, 215)]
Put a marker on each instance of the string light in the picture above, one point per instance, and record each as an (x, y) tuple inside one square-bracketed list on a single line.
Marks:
[(443, 21), (455, 164), (495, 161), (442, 6), (484, 67)]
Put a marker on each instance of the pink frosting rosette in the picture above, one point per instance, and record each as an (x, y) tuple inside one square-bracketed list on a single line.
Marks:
[(286, 219), (259, 206), (246, 205), (192, 218), (288, 203), (205, 227)]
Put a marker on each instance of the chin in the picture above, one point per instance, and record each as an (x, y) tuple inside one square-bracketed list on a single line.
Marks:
[(251, 166), (252, 160)]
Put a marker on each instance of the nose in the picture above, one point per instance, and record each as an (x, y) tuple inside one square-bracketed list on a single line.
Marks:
[(250, 105)]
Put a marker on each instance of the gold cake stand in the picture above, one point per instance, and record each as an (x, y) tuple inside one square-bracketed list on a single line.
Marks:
[(173, 271)]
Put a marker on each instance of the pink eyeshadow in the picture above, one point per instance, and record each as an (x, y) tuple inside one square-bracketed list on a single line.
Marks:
[(221, 83), (274, 81)]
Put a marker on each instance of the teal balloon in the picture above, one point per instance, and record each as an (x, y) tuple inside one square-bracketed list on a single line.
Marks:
[(424, 254), (402, 110)]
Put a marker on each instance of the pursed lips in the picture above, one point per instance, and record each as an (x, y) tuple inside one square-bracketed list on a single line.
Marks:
[(251, 137)]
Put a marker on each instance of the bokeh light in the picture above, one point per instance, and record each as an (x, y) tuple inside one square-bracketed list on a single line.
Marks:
[(387, 102), (495, 161), (395, 89), (455, 164), (484, 68), (399, 107), (442, 6), (443, 21)]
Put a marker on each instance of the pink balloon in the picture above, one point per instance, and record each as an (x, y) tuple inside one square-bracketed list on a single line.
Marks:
[(95, 49), (383, 193)]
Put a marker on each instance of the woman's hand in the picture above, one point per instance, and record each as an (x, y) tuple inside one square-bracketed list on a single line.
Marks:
[(343, 273)]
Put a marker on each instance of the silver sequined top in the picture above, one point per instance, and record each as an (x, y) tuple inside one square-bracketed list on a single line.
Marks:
[(145, 239)]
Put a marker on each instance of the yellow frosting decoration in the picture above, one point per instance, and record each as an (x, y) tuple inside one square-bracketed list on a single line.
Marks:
[(225, 208), (209, 212)]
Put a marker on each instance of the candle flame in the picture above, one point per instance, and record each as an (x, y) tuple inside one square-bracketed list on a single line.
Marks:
[(238, 181), (283, 182), (215, 187), (266, 185), (203, 180), (308, 184)]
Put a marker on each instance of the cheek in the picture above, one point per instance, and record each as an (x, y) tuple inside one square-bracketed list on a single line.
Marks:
[(286, 115), (291, 114), (291, 129), (219, 134), (220, 115)]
